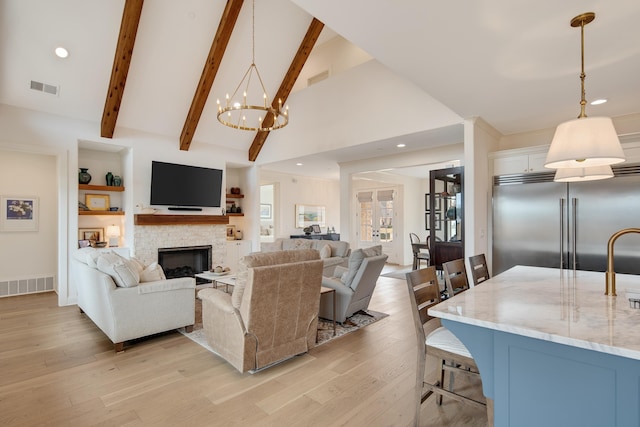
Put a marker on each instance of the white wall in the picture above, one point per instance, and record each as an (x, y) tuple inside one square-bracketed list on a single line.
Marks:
[(363, 104), (294, 190), (29, 254), (480, 139)]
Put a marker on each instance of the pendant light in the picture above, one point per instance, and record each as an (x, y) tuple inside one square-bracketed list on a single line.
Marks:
[(249, 107), (583, 174), (585, 141)]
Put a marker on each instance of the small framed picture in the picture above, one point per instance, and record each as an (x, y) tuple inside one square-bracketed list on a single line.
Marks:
[(91, 234), (97, 202), (265, 210), (19, 213), (84, 243), (316, 228), (231, 232)]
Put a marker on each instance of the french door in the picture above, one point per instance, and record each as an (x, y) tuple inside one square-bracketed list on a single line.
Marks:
[(375, 215)]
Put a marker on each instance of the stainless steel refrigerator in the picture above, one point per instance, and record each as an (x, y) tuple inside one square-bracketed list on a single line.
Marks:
[(542, 223)]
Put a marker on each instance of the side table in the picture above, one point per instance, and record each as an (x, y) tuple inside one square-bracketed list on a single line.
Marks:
[(325, 290)]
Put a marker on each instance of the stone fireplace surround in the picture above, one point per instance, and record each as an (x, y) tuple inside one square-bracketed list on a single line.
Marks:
[(149, 238)]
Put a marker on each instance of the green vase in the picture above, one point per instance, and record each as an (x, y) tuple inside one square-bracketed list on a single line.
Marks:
[(109, 178), (84, 177)]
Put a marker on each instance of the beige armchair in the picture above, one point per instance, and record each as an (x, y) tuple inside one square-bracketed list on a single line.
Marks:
[(272, 313), (354, 285)]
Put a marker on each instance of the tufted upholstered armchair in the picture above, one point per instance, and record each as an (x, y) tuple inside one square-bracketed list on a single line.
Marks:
[(272, 313)]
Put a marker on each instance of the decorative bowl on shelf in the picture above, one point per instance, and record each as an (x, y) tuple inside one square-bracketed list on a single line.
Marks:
[(100, 244), (114, 209)]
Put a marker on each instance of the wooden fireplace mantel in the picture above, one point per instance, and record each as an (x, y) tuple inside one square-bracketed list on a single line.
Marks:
[(152, 219)]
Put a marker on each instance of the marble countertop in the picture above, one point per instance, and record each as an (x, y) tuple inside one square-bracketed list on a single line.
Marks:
[(563, 306)]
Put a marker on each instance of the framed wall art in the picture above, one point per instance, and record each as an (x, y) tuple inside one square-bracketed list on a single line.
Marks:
[(97, 202), (307, 215), (19, 213), (231, 232), (91, 234), (265, 211)]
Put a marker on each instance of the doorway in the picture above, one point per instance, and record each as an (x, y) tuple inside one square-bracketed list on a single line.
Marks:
[(375, 215), (268, 212)]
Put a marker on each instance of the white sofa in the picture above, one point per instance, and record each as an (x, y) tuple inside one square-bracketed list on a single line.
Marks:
[(127, 313), (332, 252)]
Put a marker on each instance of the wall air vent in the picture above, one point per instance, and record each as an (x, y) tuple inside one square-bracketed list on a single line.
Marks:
[(318, 78), (44, 87)]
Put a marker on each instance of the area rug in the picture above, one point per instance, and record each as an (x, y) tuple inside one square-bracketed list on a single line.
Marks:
[(325, 327)]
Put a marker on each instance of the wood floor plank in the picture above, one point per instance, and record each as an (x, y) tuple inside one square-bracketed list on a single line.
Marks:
[(57, 368)]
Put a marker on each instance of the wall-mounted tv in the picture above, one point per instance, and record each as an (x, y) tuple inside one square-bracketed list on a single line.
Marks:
[(182, 185)]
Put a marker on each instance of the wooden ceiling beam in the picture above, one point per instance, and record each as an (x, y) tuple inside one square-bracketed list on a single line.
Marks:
[(309, 40), (121, 62), (211, 67)]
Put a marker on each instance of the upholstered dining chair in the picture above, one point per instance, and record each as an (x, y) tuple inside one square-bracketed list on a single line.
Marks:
[(455, 276), (420, 251), (479, 269), (441, 344)]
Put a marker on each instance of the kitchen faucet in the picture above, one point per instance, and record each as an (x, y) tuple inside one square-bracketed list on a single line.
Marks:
[(610, 289)]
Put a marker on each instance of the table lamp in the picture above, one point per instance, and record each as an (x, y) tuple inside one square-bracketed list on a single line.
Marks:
[(113, 233)]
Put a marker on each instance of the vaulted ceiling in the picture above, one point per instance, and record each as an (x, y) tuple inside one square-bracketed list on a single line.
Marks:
[(515, 65)]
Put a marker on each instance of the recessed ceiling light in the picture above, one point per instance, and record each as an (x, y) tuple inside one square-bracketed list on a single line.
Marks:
[(598, 101), (62, 52), (401, 145), (299, 164)]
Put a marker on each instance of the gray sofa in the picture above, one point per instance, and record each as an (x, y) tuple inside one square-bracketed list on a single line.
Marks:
[(333, 253)]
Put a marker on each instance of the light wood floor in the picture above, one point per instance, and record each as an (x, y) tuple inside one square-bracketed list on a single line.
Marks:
[(57, 368)]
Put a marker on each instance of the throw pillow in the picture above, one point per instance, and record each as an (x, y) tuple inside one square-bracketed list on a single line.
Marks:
[(125, 276), (325, 252), (88, 256), (373, 251), (139, 265), (355, 260), (152, 273)]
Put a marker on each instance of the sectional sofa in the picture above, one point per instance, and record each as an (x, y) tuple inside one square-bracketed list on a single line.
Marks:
[(333, 253)]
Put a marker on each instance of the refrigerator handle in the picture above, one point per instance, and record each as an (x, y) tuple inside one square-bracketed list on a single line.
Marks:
[(561, 233), (574, 237)]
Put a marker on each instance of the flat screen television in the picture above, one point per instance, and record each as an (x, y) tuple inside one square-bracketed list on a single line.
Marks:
[(182, 185)]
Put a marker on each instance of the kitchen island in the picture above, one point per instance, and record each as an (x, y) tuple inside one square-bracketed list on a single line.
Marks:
[(552, 349)]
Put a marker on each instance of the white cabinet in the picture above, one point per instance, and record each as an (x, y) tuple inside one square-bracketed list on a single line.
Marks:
[(236, 249), (522, 163)]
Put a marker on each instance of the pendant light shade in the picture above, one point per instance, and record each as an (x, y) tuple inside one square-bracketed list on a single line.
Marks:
[(585, 142), (583, 174)]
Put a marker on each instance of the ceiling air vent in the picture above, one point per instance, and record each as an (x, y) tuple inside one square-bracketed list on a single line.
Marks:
[(318, 78), (44, 87)]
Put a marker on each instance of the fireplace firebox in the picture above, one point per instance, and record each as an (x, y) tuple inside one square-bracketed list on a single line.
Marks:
[(184, 261)]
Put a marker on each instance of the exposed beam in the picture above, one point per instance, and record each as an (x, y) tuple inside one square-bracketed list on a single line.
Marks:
[(211, 67), (315, 28), (121, 61)]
